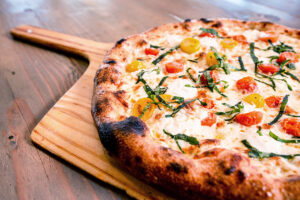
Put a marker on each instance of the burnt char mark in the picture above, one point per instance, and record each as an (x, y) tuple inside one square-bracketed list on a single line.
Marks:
[(265, 23), (177, 168), (108, 132), (187, 20), (142, 42), (120, 41), (119, 95), (107, 74), (218, 24), (241, 176), (205, 20), (110, 62), (230, 170), (294, 178)]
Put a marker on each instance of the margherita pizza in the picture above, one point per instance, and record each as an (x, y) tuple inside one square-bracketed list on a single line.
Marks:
[(205, 109)]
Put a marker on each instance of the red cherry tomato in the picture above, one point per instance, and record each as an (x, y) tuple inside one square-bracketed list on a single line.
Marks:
[(291, 126), (287, 56), (271, 36), (209, 103), (150, 51), (240, 38), (249, 119), (210, 120), (268, 68), (246, 84), (205, 34), (273, 101), (213, 74), (174, 67)]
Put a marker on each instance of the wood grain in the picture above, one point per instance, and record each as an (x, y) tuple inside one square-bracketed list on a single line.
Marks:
[(32, 79)]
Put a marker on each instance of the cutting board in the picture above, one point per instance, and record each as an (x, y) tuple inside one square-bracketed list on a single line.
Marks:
[(68, 129)]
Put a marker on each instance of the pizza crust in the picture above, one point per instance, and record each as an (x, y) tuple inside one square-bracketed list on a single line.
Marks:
[(215, 174)]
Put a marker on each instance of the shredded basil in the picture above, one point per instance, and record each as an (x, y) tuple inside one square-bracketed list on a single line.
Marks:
[(259, 131), (255, 153), (178, 108), (253, 56), (156, 47), (157, 70), (178, 100), (268, 84), (280, 48), (292, 76), (211, 84), (291, 66), (272, 135), (192, 86), (191, 140), (212, 31), (297, 116), (157, 60), (273, 58), (235, 109), (221, 62), (281, 110), (194, 61), (145, 109), (241, 64), (190, 75)]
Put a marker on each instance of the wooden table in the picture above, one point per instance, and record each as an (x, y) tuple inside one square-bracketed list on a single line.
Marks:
[(32, 79)]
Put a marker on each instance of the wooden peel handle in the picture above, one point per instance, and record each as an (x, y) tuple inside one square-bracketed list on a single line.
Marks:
[(60, 41)]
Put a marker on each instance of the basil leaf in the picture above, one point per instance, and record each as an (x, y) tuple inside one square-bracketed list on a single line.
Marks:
[(156, 47), (194, 61), (292, 76), (259, 131), (178, 99), (272, 135), (291, 66), (254, 58), (192, 86), (241, 64), (220, 60), (157, 70), (157, 60), (268, 84), (293, 115), (176, 110), (212, 31), (145, 109), (280, 48), (255, 153), (281, 110), (237, 108), (190, 75)]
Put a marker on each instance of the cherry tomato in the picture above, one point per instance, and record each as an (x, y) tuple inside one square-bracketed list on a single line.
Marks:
[(139, 106), (270, 36), (190, 45), (210, 120), (246, 84), (240, 38), (134, 66), (209, 103), (213, 74), (273, 101), (287, 56), (291, 126), (268, 68), (228, 43), (150, 51), (255, 99), (249, 119), (205, 34), (174, 67)]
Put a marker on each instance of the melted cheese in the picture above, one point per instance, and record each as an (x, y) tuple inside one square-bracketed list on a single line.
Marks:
[(189, 121)]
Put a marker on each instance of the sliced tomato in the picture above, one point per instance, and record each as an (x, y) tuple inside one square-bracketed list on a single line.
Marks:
[(246, 84), (291, 126), (213, 74), (205, 34), (174, 67), (210, 120), (209, 103), (273, 101), (240, 38), (268, 68), (270, 36), (150, 51), (250, 118), (287, 56)]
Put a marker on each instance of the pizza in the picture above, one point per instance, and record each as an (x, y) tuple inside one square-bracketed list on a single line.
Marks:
[(205, 109)]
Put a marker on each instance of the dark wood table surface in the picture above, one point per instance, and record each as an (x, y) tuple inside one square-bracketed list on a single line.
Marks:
[(32, 78)]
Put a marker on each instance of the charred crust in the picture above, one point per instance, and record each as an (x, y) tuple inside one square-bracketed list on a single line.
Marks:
[(177, 168), (187, 20), (266, 23), (230, 170), (110, 62), (142, 42), (108, 138), (120, 41), (131, 125), (241, 176), (218, 24), (120, 96), (107, 75), (205, 20)]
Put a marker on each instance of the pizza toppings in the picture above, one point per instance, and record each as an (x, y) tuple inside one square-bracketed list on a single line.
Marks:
[(206, 34), (157, 60), (291, 126), (273, 101), (268, 68), (249, 119), (150, 51), (270, 36), (272, 135), (190, 45), (143, 108), (210, 120), (246, 84), (240, 38), (255, 99), (135, 66), (174, 67), (228, 43), (213, 74), (287, 56), (211, 31), (209, 103), (235, 110), (281, 111)]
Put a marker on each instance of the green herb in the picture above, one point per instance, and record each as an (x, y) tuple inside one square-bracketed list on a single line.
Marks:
[(191, 140), (291, 66), (273, 58), (237, 108), (190, 75), (241, 64), (221, 61), (287, 84), (178, 108), (268, 84), (194, 61), (293, 115), (255, 153), (272, 135), (281, 110), (156, 47), (292, 75), (157, 70), (178, 100), (280, 48), (253, 56), (192, 86), (211, 84), (139, 59), (145, 109), (212, 31), (182, 76), (157, 60), (259, 131)]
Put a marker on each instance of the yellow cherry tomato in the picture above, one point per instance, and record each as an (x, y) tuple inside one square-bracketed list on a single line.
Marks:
[(255, 99), (167, 98), (140, 105), (211, 59), (134, 66), (228, 43), (190, 45)]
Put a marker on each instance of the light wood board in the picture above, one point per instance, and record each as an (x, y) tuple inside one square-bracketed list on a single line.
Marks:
[(68, 129)]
